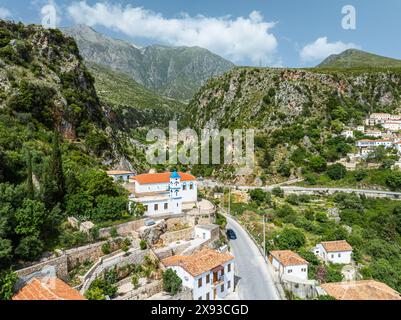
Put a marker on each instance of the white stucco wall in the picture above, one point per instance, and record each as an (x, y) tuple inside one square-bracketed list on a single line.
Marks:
[(340, 257), (202, 291), (299, 271)]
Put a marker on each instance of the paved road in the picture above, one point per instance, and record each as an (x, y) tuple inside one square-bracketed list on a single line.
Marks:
[(255, 281), (293, 189)]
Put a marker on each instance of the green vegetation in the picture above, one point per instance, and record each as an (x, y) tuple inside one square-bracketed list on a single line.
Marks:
[(171, 281), (104, 286), (354, 58)]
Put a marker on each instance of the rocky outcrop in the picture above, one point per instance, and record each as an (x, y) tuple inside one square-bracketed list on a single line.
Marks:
[(151, 234)]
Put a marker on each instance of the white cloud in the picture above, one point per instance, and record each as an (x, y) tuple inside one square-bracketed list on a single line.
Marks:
[(4, 13), (321, 49), (237, 39)]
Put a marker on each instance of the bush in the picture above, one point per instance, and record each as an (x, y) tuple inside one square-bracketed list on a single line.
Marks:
[(106, 248), (30, 248), (135, 281), (143, 245), (259, 196), (290, 239), (171, 282), (336, 171), (278, 192), (7, 281), (393, 180)]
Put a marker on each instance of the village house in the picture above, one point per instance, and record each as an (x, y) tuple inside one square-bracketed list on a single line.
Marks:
[(289, 263), (360, 290), (366, 143), (120, 175), (373, 133), (347, 134), (339, 252), (164, 193), (392, 126), (360, 128), (47, 288), (381, 118), (209, 273)]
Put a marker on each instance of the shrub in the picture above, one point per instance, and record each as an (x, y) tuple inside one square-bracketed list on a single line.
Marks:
[(143, 245), (278, 192), (106, 248), (7, 281), (171, 281), (290, 238), (336, 171), (135, 281)]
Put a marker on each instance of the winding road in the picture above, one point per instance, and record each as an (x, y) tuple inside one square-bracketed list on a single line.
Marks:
[(255, 280)]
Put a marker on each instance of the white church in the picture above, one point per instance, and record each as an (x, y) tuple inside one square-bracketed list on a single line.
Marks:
[(164, 193)]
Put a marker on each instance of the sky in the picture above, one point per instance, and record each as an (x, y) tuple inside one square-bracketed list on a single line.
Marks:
[(278, 33)]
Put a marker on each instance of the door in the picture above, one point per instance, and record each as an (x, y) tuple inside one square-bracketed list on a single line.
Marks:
[(214, 293)]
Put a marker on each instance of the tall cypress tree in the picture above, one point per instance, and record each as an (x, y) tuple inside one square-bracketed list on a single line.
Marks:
[(54, 181), (29, 181)]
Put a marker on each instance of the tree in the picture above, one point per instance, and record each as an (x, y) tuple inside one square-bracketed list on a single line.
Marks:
[(393, 180), (5, 252), (54, 180), (171, 281), (29, 248), (109, 208), (290, 239), (8, 278), (336, 171), (317, 164), (285, 210), (30, 217), (29, 182), (259, 196)]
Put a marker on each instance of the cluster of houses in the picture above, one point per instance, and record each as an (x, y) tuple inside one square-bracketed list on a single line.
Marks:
[(287, 262), (383, 129)]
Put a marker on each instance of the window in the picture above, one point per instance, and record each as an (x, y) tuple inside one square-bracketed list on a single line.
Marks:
[(191, 186), (199, 282), (228, 284), (339, 255), (166, 206), (200, 298), (303, 270), (146, 207), (184, 187), (222, 272), (208, 296), (332, 256), (289, 271), (222, 288), (229, 267), (208, 278), (156, 207)]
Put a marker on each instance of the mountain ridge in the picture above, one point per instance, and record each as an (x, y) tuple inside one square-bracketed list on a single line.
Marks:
[(355, 58), (176, 72)]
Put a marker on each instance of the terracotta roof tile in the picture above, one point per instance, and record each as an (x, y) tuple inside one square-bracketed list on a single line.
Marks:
[(200, 262), (335, 246), (361, 290), (288, 258), (115, 172), (47, 289), (164, 177)]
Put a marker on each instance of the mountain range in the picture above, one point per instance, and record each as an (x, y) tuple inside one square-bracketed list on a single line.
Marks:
[(353, 58), (176, 72)]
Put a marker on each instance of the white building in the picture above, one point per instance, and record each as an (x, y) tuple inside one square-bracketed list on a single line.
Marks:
[(339, 252), (366, 143), (206, 231), (347, 134), (360, 128), (287, 262), (209, 273), (120, 175), (381, 118), (373, 133), (164, 193), (392, 126)]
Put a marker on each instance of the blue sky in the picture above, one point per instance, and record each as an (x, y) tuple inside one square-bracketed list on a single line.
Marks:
[(291, 33)]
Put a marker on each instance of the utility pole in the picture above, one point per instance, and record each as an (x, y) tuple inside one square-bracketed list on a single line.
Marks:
[(264, 236), (229, 201)]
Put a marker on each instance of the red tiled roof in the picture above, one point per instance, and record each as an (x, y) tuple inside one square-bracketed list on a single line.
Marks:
[(200, 262), (164, 177), (47, 289), (288, 257), (361, 290), (335, 246)]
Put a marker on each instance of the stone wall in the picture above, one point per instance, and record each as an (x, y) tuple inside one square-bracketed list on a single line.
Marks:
[(68, 260), (184, 234), (123, 229), (60, 264)]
